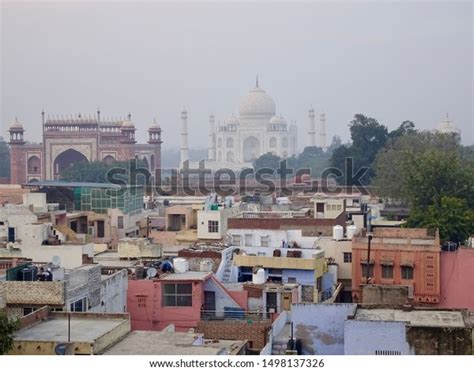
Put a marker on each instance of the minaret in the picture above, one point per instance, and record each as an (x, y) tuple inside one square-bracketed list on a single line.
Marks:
[(184, 137), (312, 128), (322, 131), (212, 139)]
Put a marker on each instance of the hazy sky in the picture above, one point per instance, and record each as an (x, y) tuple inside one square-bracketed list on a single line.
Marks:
[(392, 61)]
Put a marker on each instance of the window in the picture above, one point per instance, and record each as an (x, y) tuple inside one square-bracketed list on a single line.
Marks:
[(291, 280), (213, 226), (248, 240), (79, 305), (100, 229), (120, 222), (407, 272), (141, 301), (347, 257), (27, 311), (387, 271), (364, 270), (236, 240), (178, 295), (264, 241), (261, 253)]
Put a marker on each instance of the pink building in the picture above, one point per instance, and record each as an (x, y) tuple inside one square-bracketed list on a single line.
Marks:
[(180, 298), (457, 279)]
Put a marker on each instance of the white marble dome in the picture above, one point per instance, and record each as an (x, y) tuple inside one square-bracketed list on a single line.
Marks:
[(447, 127), (278, 120), (257, 103)]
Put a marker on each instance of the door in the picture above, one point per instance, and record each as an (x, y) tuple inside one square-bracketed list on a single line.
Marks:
[(11, 234), (209, 304), (286, 296), (272, 302)]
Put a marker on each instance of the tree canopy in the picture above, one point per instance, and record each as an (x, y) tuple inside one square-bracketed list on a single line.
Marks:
[(433, 175), (7, 328), (4, 159)]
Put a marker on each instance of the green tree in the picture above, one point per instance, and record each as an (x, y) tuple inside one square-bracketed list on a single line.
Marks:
[(368, 137), (453, 217), (4, 159), (7, 329), (267, 161)]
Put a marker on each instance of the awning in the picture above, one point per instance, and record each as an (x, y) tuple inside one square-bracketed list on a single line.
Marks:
[(386, 262), (407, 264)]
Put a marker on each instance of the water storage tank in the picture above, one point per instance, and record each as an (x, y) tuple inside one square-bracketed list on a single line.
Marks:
[(180, 265), (337, 232), (258, 278), (332, 270), (351, 231), (205, 265)]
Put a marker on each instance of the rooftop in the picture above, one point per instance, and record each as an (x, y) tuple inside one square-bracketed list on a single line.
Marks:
[(172, 343), (415, 317), (186, 276), (60, 183), (55, 329)]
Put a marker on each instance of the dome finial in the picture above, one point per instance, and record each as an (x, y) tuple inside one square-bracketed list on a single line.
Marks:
[(256, 82)]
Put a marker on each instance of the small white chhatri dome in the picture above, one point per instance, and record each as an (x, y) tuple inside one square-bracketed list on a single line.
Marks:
[(257, 103), (278, 120), (232, 120), (154, 125), (447, 127), (127, 124), (16, 125)]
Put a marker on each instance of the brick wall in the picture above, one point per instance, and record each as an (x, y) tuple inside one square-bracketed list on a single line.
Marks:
[(33, 292), (385, 294), (255, 333), (310, 226)]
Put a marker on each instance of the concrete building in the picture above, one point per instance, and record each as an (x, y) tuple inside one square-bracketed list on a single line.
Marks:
[(354, 329), (304, 266), (399, 256), (73, 139), (386, 331), (180, 299), (44, 332), (138, 248), (457, 279), (83, 289)]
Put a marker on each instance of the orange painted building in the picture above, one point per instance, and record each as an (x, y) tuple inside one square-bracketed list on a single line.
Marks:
[(398, 256)]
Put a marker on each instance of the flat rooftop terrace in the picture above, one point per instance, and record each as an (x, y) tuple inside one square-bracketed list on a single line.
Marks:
[(172, 343), (56, 329), (416, 318)]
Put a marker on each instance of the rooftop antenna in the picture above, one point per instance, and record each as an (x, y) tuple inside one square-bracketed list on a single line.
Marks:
[(98, 114)]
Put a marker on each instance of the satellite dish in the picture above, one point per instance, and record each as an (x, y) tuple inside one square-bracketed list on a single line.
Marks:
[(151, 272), (60, 349), (56, 260)]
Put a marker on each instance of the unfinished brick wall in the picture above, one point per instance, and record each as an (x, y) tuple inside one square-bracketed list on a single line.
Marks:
[(33, 292), (442, 340), (255, 332)]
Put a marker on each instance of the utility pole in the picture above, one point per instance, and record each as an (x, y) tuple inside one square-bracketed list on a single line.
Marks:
[(369, 239)]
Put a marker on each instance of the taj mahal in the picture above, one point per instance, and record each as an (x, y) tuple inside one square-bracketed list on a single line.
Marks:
[(258, 129)]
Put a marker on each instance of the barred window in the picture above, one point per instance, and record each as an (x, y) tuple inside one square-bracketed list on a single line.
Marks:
[(178, 295), (213, 226)]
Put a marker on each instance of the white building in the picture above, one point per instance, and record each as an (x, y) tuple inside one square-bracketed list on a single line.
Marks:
[(257, 130)]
